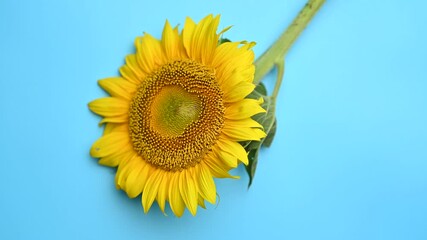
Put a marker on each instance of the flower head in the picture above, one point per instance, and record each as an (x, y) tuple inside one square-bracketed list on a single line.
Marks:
[(177, 114)]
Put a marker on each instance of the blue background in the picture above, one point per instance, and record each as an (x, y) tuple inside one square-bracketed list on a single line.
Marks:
[(350, 156)]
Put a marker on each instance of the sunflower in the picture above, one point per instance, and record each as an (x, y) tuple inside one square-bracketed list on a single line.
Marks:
[(176, 115)]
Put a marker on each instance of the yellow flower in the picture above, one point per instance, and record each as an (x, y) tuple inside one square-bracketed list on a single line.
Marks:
[(177, 114)]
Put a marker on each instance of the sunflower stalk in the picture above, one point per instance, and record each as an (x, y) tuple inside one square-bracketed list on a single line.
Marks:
[(274, 57), (265, 63)]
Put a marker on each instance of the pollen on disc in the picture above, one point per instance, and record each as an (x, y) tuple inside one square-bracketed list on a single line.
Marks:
[(173, 109), (176, 115)]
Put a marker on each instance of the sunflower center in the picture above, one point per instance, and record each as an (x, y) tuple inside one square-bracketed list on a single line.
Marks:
[(176, 115), (173, 109)]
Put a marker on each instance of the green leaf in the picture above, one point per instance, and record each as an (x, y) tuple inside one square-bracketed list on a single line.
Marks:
[(251, 167), (270, 136), (261, 89), (268, 121), (258, 92)]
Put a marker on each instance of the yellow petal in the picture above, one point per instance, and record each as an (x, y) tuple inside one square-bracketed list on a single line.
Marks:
[(234, 149), (224, 30), (217, 169), (247, 122), (201, 202), (162, 194), (132, 63), (188, 191), (243, 134), (238, 92), (139, 61), (109, 107), (118, 87), (137, 178), (182, 50), (170, 41), (240, 74), (248, 73), (151, 188), (206, 184), (115, 127), (244, 109), (115, 142), (123, 171), (223, 52), (113, 160), (150, 53), (187, 35), (141, 181), (129, 74), (205, 39), (201, 40), (228, 158), (110, 161), (175, 200), (229, 56), (116, 119)]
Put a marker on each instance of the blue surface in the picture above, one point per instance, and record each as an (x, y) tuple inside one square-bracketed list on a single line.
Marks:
[(349, 160)]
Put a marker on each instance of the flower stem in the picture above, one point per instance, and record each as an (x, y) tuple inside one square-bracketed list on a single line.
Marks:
[(280, 65), (276, 53)]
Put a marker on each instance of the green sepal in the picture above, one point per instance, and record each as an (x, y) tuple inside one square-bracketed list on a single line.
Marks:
[(251, 167), (270, 136), (268, 121), (223, 40)]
